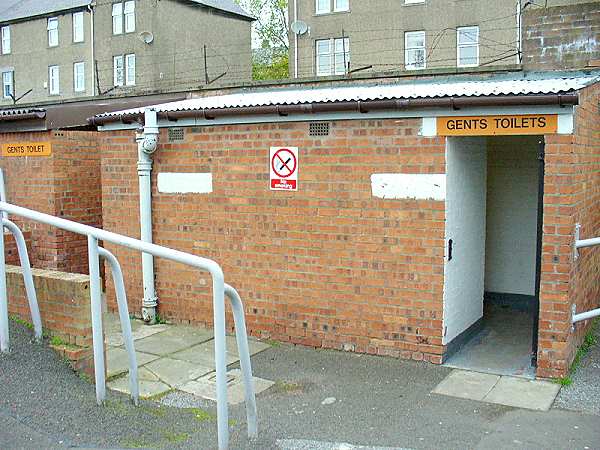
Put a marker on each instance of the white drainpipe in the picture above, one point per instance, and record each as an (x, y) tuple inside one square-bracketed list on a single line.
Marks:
[(295, 40), (147, 143)]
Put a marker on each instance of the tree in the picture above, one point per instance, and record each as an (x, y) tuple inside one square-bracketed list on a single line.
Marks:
[(270, 40)]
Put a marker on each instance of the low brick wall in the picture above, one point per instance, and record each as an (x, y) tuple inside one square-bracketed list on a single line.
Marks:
[(11, 252), (64, 302)]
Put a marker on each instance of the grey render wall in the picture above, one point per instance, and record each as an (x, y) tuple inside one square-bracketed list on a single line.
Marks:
[(30, 58), (376, 31), (174, 60)]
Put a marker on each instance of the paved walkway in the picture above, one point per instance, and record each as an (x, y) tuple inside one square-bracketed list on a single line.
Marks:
[(174, 358), (320, 399)]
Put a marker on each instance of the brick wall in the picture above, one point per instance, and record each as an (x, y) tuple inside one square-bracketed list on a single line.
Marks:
[(572, 195), (64, 302), (66, 184), (328, 266), (561, 37)]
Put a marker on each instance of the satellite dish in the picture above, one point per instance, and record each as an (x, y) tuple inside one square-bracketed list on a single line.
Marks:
[(147, 37), (299, 27)]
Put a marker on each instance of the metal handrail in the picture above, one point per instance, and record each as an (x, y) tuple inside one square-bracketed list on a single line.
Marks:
[(219, 290), (582, 243)]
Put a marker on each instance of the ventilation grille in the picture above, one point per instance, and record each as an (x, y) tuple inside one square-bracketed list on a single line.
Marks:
[(318, 129), (176, 134)]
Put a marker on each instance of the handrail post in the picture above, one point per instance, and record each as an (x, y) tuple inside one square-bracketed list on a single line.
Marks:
[(220, 358), (117, 275), (241, 337), (4, 334), (34, 308), (96, 306)]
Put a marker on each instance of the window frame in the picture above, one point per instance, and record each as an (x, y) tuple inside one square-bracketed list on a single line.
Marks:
[(129, 70), (80, 64), (118, 72), (5, 37), (52, 31), (127, 15), (50, 78), (407, 49), (78, 27), (117, 19), (460, 46), (11, 84), (332, 7), (333, 55)]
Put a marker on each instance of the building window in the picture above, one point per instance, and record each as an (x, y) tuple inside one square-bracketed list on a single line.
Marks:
[(5, 31), (327, 6), (467, 46), (79, 77), (54, 80), (117, 18), (118, 72), (53, 32), (414, 50), (130, 70), (123, 17), (129, 17), (8, 84), (78, 27), (333, 56)]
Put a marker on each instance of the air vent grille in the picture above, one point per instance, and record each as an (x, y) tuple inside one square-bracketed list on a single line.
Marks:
[(176, 134), (318, 129)]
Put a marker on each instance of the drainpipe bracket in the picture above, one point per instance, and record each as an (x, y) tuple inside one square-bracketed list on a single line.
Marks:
[(573, 312)]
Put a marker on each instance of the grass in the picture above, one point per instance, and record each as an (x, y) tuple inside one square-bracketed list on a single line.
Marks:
[(589, 341), (56, 341), (175, 438), (201, 415), (20, 321), (160, 319)]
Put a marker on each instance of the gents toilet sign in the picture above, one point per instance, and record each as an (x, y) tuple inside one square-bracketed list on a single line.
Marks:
[(27, 149), (283, 166), (497, 125)]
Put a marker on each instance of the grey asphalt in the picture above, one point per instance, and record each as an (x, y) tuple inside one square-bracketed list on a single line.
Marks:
[(321, 398)]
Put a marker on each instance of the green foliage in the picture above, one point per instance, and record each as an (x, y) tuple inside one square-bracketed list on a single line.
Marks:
[(17, 319), (200, 415), (270, 26), (56, 341), (276, 70)]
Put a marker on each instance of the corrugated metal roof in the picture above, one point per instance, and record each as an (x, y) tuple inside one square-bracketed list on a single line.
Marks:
[(405, 90), (19, 113), (21, 9)]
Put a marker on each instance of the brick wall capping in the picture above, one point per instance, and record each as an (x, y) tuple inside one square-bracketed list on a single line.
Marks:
[(353, 106)]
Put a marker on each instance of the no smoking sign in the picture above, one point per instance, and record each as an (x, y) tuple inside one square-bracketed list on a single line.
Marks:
[(283, 165)]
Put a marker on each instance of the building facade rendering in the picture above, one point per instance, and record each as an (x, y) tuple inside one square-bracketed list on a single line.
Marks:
[(59, 50), (338, 37)]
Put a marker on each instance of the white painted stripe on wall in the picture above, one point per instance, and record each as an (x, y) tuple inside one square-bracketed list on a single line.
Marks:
[(565, 124), (185, 183), (408, 186)]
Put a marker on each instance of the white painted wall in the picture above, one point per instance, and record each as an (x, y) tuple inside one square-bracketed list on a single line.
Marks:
[(512, 191), (185, 183), (466, 169), (408, 186)]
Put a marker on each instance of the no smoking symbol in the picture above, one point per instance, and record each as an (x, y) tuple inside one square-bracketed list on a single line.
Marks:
[(284, 163)]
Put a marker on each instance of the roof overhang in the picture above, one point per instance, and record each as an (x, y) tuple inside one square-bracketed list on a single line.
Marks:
[(449, 94)]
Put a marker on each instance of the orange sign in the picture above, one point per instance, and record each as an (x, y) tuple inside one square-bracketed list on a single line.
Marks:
[(27, 149), (497, 125)]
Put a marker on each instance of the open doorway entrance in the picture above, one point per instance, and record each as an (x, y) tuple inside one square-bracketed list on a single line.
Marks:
[(492, 232)]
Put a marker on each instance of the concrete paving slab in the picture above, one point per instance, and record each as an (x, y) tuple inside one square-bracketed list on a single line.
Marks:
[(147, 388), (522, 393), (176, 372), (206, 387), (465, 384), (203, 354), (172, 340), (117, 361), (254, 346)]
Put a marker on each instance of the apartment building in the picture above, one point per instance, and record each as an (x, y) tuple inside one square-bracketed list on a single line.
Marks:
[(336, 37), (55, 50)]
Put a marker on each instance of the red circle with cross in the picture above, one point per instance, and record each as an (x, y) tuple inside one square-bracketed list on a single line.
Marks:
[(284, 163)]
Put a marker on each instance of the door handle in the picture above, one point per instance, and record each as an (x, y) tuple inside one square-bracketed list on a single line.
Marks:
[(450, 249)]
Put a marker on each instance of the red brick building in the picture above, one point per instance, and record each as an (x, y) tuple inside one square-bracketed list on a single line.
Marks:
[(417, 203)]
